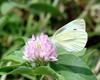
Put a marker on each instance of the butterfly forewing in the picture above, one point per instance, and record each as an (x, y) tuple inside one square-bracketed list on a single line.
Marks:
[(78, 24), (72, 36)]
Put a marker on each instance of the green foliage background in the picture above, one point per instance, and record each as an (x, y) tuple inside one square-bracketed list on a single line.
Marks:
[(20, 19)]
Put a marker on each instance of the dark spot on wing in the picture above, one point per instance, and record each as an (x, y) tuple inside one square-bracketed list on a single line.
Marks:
[(74, 29)]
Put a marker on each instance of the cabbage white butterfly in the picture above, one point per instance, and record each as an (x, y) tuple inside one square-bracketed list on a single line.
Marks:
[(71, 36)]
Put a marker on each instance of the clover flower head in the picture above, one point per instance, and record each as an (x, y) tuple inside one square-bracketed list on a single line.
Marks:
[(39, 48)]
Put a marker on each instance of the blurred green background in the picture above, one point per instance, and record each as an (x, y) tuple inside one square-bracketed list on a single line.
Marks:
[(20, 19)]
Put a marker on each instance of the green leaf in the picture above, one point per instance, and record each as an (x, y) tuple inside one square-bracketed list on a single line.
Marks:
[(17, 69), (7, 69), (73, 68), (91, 57), (38, 8), (46, 70), (6, 7), (42, 70), (22, 70), (15, 56), (15, 53)]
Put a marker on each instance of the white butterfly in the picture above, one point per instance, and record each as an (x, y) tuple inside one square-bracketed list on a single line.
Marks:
[(72, 36)]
